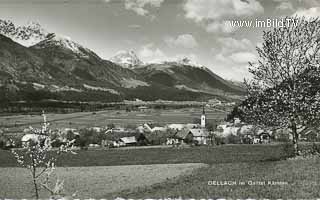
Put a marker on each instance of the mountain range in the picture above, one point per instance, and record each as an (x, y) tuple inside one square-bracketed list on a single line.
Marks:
[(38, 65)]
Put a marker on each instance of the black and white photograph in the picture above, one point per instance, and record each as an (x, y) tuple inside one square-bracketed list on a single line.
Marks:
[(159, 99)]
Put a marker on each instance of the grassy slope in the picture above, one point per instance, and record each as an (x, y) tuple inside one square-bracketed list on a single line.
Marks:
[(226, 163), (92, 181), (302, 177), (208, 155)]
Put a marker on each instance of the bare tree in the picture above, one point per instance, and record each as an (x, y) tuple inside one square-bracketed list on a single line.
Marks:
[(39, 158), (284, 91)]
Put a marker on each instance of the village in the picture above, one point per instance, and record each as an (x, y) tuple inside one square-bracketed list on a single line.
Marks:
[(169, 135)]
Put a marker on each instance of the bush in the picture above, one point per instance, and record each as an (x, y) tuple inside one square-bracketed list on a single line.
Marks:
[(310, 150), (233, 139), (219, 140), (88, 136), (288, 149), (17, 142), (158, 138), (57, 143), (2, 143)]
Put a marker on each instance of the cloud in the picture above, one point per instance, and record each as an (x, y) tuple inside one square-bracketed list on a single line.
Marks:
[(220, 27), (185, 40), (139, 6), (219, 9), (231, 56), (234, 66), (134, 26), (243, 57), (310, 3), (285, 5), (213, 13), (231, 45), (149, 53), (308, 13)]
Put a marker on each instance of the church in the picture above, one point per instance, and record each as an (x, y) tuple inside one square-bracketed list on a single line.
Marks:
[(198, 135), (203, 119)]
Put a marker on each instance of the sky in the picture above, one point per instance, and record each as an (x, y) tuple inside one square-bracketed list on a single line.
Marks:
[(159, 30)]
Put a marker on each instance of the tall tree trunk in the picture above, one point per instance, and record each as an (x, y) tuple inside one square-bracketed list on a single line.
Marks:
[(295, 138), (36, 187), (34, 176)]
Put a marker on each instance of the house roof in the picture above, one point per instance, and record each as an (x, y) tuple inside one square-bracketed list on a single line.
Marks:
[(28, 137), (129, 140), (182, 134), (195, 133), (176, 126)]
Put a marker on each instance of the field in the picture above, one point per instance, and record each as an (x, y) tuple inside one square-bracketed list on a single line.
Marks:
[(175, 172), (104, 173), (293, 179), (207, 155), (93, 181), (103, 118)]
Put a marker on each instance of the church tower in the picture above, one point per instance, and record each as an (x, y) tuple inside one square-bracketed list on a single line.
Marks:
[(203, 118)]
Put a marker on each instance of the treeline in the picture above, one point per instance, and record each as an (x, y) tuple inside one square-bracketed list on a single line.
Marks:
[(53, 106), (153, 93), (11, 93), (22, 98)]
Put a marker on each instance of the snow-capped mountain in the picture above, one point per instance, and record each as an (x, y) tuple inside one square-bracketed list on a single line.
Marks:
[(188, 61), (180, 61), (53, 63), (33, 35), (126, 59), (53, 40), (26, 35)]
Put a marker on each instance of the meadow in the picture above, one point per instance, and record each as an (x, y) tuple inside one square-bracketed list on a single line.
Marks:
[(138, 156), (174, 172), (105, 117), (293, 179), (93, 181)]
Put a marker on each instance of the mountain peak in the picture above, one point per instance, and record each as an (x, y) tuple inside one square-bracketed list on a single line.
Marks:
[(127, 59), (188, 61), (26, 35), (183, 61), (54, 40)]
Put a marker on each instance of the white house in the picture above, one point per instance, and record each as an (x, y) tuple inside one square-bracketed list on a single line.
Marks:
[(176, 126), (129, 140), (32, 138), (214, 102), (200, 136), (156, 128)]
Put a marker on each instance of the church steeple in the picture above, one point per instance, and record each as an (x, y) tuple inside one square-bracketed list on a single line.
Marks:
[(203, 118)]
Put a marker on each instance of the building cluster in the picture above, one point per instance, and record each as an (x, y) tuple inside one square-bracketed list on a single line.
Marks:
[(250, 134), (175, 134), (145, 134)]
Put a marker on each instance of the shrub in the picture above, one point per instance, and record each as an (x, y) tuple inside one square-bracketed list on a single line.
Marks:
[(219, 140), (3, 142), (288, 149), (310, 150), (233, 139), (17, 141), (88, 136)]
